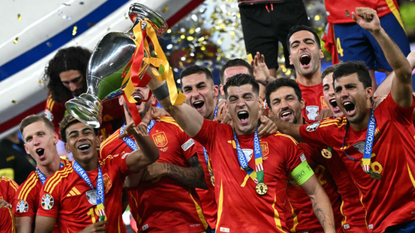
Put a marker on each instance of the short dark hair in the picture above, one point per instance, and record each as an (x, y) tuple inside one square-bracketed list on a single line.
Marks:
[(240, 80), (35, 118), (328, 70), (67, 121), (297, 28), (232, 63), (72, 58), (195, 69), (352, 67), (282, 82)]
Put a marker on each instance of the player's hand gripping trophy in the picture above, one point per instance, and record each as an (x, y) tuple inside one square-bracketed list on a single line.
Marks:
[(119, 63)]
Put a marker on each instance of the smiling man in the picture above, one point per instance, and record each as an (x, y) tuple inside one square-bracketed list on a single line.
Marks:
[(376, 145), (256, 193), (175, 175), (284, 96), (40, 142), (306, 54), (86, 195)]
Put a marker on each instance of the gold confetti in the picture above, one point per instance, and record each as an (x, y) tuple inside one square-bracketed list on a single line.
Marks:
[(49, 44), (75, 28), (40, 81), (190, 38), (182, 37), (19, 17), (317, 18), (14, 102), (165, 8), (15, 40), (168, 30)]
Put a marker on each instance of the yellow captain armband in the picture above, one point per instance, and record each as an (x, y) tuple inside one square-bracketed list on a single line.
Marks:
[(302, 173)]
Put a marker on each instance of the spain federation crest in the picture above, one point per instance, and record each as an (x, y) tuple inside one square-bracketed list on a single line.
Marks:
[(47, 201), (22, 206), (160, 139)]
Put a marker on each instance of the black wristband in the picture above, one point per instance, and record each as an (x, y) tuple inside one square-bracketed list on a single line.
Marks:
[(161, 92)]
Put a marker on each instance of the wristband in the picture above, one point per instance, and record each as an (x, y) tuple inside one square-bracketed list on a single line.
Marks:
[(161, 92)]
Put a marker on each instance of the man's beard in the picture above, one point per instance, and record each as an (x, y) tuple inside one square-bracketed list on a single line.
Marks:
[(147, 106)]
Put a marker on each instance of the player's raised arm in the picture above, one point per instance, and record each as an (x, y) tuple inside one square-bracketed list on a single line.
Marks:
[(147, 153), (187, 117), (401, 89)]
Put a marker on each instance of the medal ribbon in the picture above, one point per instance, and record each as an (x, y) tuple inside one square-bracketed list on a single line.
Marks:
[(130, 142), (100, 186), (205, 151), (370, 137), (41, 176), (258, 176)]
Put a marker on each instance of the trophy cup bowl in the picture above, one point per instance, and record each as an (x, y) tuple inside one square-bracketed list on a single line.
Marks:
[(106, 65)]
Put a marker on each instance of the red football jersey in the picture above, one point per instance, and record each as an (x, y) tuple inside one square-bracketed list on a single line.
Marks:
[(300, 214), (341, 11), (8, 189), (239, 205), (388, 201), (207, 197), (314, 101), (164, 213), (67, 197), (27, 198)]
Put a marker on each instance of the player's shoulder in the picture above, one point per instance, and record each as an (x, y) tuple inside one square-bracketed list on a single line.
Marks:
[(111, 139), (30, 185), (8, 182), (169, 122), (281, 138), (58, 178)]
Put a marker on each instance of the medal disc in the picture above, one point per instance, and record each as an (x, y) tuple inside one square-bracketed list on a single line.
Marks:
[(212, 179), (326, 153), (376, 175), (261, 188)]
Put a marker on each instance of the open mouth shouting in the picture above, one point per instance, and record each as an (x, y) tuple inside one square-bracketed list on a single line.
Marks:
[(349, 107), (243, 117), (198, 104), (305, 60), (84, 147), (138, 97), (286, 114), (334, 106), (41, 153)]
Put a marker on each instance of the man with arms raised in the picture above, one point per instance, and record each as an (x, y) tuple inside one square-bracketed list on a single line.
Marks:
[(306, 54), (376, 146), (40, 142), (285, 102), (86, 196), (171, 179), (249, 199)]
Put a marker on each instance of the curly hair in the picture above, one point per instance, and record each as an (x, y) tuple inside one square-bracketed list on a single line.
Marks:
[(72, 58)]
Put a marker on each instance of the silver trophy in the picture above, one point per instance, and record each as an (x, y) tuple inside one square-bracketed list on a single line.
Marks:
[(107, 63)]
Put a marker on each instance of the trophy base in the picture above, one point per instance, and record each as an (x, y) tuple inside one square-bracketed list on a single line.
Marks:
[(86, 108)]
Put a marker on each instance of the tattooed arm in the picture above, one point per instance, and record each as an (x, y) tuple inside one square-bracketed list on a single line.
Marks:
[(321, 203), (191, 176)]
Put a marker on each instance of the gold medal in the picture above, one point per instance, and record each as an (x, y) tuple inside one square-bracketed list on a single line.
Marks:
[(376, 175), (326, 153), (212, 179), (261, 188)]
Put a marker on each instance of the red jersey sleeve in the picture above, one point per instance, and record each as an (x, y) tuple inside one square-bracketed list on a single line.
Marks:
[(49, 198), (26, 200), (401, 114), (293, 152), (207, 133), (314, 133), (188, 146), (118, 161)]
